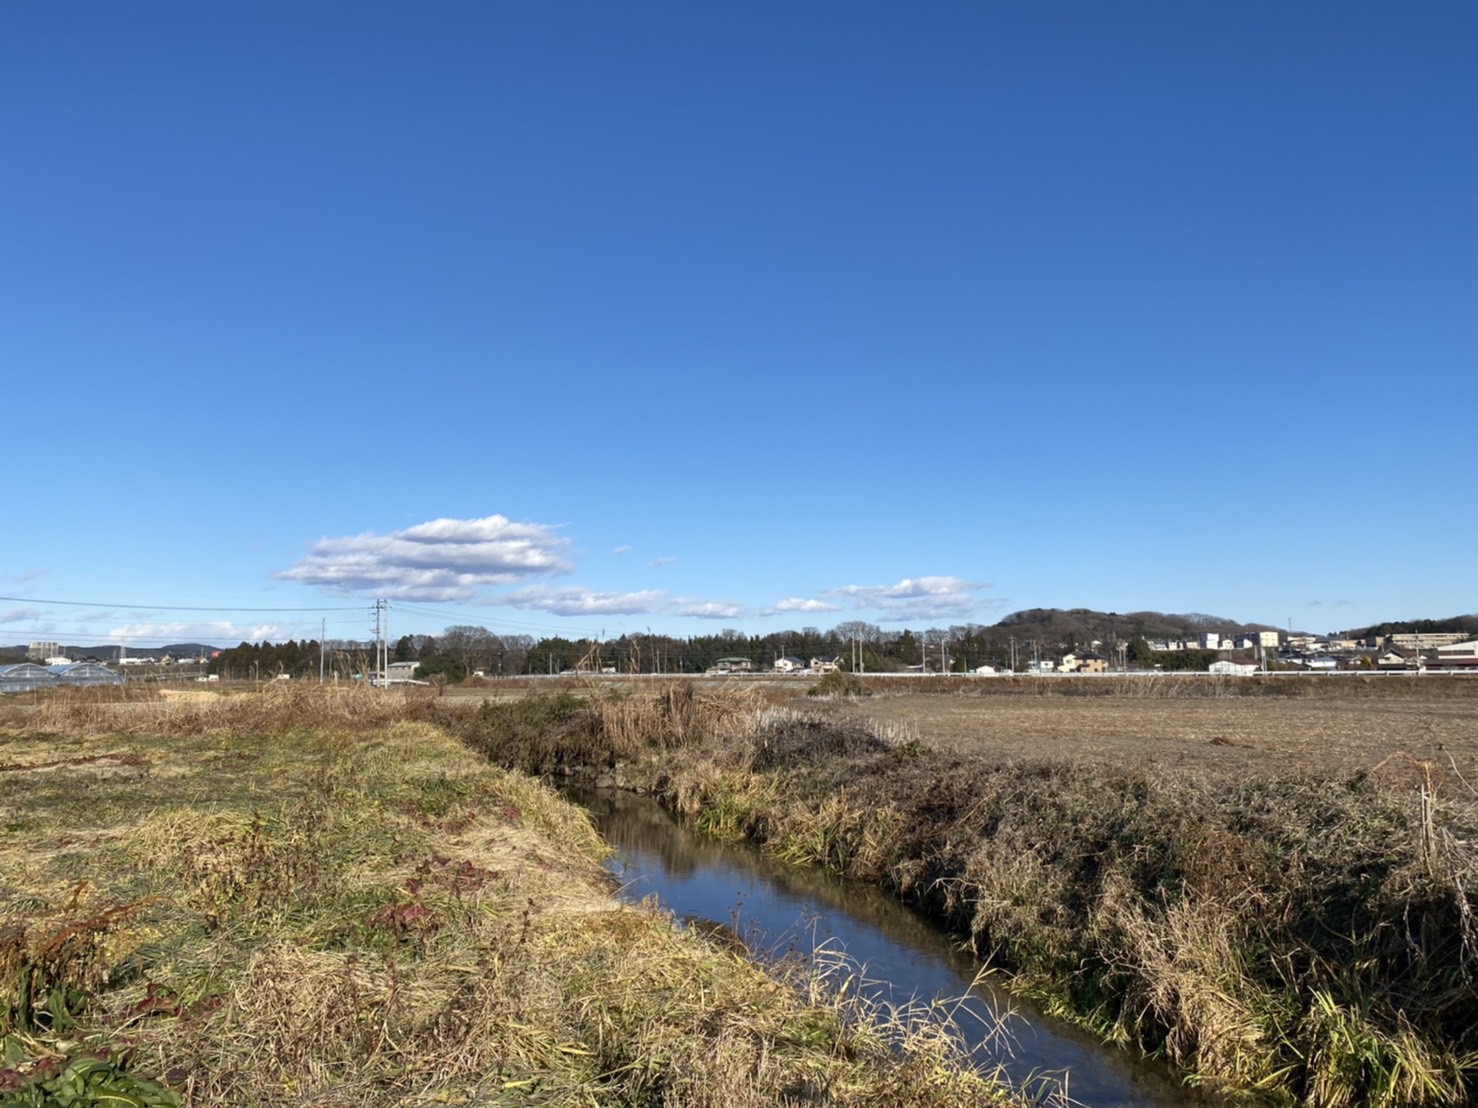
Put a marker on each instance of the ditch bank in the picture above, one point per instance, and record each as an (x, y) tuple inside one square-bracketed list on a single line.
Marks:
[(866, 942), (1306, 937)]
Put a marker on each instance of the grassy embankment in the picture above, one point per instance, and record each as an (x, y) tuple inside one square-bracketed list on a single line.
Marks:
[(1310, 935), (295, 897)]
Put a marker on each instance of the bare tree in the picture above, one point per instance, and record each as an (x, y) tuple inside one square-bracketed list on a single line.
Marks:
[(471, 647), (860, 631)]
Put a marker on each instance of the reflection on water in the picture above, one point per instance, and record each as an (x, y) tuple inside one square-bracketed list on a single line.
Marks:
[(778, 909)]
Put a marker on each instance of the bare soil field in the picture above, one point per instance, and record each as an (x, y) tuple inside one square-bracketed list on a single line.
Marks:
[(1394, 740)]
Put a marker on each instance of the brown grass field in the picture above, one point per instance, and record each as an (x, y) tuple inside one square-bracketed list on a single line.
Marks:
[(1221, 738), (1273, 884), (305, 896)]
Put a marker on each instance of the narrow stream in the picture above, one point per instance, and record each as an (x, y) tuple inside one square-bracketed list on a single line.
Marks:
[(781, 909)]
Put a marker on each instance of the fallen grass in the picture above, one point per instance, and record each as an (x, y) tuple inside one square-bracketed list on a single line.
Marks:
[(289, 898), (1307, 934)]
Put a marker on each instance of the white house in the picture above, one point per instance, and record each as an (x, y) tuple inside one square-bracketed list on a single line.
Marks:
[(1233, 669), (1392, 660), (789, 664)]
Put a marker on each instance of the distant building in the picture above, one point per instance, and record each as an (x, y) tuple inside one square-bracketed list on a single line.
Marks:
[(41, 651), (1392, 660), (787, 664), (1211, 640), (1426, 640), (1458, 655), (827, 663), (1268, 640), (1232, 669)]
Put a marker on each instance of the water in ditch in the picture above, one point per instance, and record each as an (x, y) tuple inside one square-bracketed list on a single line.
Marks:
[(779, 909)]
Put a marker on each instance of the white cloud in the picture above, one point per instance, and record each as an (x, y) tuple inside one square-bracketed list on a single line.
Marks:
[(583, 602), (658, 563), (622, 549), (709, 609), (796, 604), (918, 598), (223, 633), (439, 561), (18, 615)]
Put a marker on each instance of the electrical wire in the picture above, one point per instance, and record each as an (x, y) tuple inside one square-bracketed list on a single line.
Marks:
[(168, 607)]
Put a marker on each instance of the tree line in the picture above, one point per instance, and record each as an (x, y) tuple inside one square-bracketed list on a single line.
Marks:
[(465, 650)]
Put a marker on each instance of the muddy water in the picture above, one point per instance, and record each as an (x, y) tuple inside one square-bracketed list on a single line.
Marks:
[(778, 909)]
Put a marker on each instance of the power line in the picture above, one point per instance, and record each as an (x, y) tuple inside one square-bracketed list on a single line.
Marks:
[(168, 607)]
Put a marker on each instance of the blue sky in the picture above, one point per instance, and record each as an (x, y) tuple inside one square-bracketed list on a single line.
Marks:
[(590, 317)]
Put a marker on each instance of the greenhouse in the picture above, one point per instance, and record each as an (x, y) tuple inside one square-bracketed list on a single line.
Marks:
[(85, 673), (25, 677)]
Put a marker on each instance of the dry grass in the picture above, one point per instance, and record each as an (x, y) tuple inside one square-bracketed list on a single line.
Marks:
[(282, 898), (1277, 894)]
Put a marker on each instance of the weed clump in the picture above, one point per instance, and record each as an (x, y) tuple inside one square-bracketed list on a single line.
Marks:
[(838, 683)]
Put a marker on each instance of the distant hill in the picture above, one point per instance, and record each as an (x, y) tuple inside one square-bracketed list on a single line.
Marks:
[(1467, 625), (1084, 625)]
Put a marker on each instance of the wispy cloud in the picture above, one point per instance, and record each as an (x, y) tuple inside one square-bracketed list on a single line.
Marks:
[(439, 561), (622, 549), (583, 602), (918, 598), (223, 633), (20, 615), (658, 563), (709, 609), (796, 604)]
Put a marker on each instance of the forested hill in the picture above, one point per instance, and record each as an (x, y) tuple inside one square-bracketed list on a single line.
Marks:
[(1086, 625), (1467, 625)]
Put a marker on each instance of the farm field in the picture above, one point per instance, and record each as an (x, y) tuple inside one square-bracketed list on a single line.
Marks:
[(1221, 738)]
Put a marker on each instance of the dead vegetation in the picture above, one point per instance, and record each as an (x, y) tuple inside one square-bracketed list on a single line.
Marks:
[(1278, 895), (1300, 923), (300, 899)]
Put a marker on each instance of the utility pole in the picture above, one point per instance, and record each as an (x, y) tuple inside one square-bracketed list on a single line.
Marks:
[(382, 627), (322, 633)]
